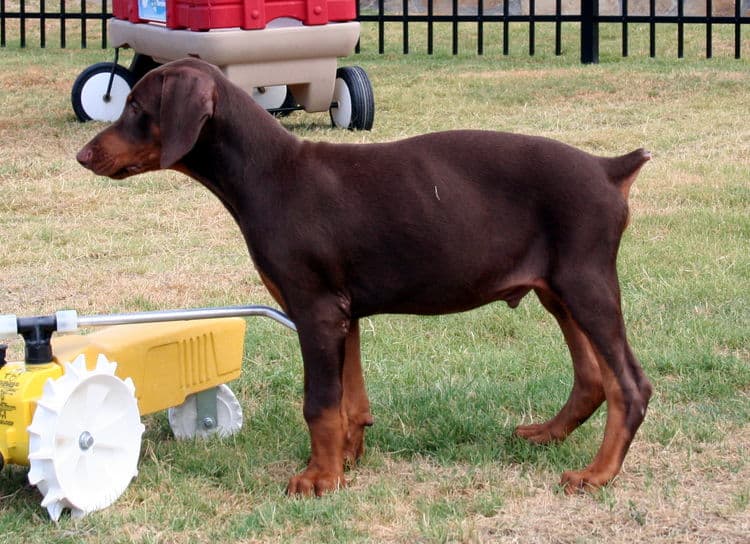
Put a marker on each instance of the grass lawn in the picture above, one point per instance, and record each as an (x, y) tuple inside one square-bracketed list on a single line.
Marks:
[(442, 464)]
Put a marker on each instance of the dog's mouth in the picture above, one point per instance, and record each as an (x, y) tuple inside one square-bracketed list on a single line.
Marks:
[(124, 172), (113, 170), (104, 164)]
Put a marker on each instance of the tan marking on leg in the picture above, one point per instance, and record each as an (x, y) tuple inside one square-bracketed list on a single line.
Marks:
[(273, 290), (325, 470), (355, 404), (617, 438), (587, 393)]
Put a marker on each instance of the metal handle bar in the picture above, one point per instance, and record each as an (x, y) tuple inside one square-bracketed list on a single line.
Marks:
[(185, 315), (70, 321)]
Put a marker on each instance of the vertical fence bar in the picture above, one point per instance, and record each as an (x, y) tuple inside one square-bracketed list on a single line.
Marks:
[(558, 27), (22, 25), (83, 24), (680, 29), (62, 24), (737, 33), (709, 29), (455, 27), (381, 27), (42, 24), (505, 28), (624, 28), (532, 27), (480, 27), (430, 26), (405, 24), (2, 23), (652, 28), (589, 31)]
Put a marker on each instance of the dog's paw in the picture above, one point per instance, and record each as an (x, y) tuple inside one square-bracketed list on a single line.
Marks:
[(581, 481), (541, 433), (315, 482)]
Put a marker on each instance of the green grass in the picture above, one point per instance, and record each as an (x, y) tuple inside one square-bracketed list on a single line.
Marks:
[(446, 392)]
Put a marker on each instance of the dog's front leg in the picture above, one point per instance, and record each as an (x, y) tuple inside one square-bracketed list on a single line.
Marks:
[(322, 333)]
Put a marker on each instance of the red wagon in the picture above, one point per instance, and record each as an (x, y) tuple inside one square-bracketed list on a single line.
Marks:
[(283, 52)]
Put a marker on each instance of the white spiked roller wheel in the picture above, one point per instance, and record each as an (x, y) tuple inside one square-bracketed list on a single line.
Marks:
[(84, 438), (183, 419)]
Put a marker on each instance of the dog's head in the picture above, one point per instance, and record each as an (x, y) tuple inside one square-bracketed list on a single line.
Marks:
[(161, 122)]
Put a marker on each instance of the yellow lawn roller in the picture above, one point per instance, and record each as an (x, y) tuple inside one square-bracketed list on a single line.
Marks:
[(71, 411)]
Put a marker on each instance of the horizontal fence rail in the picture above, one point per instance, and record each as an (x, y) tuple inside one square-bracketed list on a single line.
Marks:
[(36, 21)]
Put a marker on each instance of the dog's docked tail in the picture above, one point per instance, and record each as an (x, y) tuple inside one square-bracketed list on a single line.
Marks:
[(623, 170)]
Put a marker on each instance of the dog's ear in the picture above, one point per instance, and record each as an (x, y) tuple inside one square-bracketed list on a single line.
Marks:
[(187, 102)]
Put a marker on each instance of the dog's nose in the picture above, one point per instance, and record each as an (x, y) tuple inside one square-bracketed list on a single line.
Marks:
[(84, 156)]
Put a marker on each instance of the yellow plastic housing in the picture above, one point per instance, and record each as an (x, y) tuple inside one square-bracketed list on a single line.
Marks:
[(20, 387), (166, 361)]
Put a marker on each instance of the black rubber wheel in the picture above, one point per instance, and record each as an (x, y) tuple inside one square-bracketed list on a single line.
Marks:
[(90, 87), (141, 65), (353, 105)]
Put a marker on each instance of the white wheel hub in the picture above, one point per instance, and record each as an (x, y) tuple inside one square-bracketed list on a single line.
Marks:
[(271, 97), (185, 424), (84, 438), (93, 97), (342, 112)]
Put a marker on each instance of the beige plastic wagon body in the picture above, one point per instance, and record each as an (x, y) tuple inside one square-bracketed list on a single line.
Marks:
[(284, 53)]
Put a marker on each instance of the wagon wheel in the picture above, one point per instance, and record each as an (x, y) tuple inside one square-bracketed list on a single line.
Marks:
[(191, 418), (141, 65), (353, 105), (270, 97), (84, 438), (89, 96)]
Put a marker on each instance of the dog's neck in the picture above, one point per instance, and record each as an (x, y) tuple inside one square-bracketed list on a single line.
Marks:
[(234, 161)]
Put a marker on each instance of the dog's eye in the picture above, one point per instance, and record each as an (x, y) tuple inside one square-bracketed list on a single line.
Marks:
[(134, 107)]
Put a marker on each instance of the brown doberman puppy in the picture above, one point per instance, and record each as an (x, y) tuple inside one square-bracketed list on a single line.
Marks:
[(433, 224)]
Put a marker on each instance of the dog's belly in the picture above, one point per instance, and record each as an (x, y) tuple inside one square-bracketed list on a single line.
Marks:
[(444, 303), (446, 284)]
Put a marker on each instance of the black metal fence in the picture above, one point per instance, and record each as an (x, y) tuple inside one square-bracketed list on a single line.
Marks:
[(585, 15), (36, 18), (50, 23)]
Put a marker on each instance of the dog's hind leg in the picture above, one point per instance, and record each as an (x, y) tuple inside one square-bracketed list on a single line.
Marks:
[(593, 300), (587, 393), (356, 405)]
